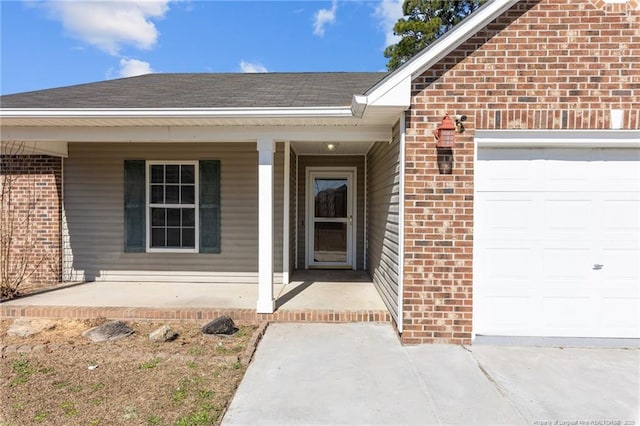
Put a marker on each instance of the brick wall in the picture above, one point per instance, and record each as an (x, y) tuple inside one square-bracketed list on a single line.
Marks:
[(549, 64), (31, 206)]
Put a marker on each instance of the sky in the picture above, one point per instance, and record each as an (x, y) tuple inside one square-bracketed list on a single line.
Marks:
[(55, 43)]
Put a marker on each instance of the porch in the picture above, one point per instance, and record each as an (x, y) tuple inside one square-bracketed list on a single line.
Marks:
[(316, 296)]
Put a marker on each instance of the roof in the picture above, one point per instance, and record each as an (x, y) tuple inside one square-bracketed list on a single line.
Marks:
[(260, 90)]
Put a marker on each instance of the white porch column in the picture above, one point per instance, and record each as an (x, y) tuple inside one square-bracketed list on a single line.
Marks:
[(266, 148)]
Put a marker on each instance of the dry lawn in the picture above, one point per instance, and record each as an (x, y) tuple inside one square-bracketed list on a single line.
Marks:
[(65, 379)]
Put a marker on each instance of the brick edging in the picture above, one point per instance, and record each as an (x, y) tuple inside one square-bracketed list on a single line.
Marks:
[(248, 316)]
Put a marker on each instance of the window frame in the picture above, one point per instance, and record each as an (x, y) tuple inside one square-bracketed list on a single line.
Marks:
[(196, 206)]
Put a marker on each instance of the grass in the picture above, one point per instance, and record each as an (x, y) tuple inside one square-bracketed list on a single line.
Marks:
[(137, 382), (22, 369), (150, 364)]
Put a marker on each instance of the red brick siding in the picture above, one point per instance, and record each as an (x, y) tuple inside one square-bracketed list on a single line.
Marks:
[(549, 64), (36, 184)]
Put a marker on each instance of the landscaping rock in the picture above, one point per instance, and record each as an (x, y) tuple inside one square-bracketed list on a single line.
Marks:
[(112, 330), (163, 334), (220, 325), (28, 327)]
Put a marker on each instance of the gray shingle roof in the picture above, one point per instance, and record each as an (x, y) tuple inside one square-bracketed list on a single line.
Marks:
[(204, 91)]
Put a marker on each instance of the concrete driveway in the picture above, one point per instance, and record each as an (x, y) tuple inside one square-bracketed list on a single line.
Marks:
[(359, 374)]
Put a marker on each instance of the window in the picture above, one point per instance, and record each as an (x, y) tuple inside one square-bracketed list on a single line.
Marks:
[(172, 206), (172, 210)]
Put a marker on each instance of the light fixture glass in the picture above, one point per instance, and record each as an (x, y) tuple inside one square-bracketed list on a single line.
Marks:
[(330, 146)]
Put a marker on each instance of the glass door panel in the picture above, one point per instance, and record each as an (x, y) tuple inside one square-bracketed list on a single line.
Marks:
[(330, 198), (330, 219), (330, 242)]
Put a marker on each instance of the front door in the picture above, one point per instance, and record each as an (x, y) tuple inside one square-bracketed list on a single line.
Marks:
[(330, 221)]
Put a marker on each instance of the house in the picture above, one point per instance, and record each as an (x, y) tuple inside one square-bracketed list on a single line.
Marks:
[(526, 225)]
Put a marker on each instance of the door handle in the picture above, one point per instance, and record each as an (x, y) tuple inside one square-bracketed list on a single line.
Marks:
[(597, 267), (350, 220)]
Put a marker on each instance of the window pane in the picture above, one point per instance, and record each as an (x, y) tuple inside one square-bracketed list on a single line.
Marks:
[(172, 194), (173, 217), (173, 237), (157, 173), (157, 237), (172, 173), (330, 242), (188, 174), (188, 237), (188, 194), (157, 217), (188, 217), (330, 197), (157, 194)]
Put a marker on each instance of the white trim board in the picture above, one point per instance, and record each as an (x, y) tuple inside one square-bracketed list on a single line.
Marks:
[(198, 133), (558, 138)]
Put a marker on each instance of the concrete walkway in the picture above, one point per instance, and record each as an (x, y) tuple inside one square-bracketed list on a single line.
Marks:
[(359, 374)]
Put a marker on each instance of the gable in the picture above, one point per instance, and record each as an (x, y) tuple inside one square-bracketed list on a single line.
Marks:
[(543, 64)]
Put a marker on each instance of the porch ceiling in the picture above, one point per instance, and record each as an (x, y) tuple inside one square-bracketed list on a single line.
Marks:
[(333, 148)]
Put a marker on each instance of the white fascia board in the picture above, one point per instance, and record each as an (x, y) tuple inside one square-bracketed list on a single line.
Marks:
[(196, 133), (359, 105), (176, 113), (557, 138), (437, 50), (397, 94)]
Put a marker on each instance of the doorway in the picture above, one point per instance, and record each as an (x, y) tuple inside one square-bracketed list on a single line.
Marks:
[(330, 222)]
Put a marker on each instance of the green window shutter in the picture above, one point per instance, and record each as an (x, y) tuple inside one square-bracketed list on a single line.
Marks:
[(209, 206), (134, 206)]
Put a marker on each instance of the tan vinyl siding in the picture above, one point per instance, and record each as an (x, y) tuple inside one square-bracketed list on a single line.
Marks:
[(94, 235), (305, 161), (383, 174)]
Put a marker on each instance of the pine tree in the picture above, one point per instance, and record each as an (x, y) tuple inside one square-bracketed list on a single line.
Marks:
[(423, 22)]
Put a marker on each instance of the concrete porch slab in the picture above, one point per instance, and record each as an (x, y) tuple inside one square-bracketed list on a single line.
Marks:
[(311, 296)]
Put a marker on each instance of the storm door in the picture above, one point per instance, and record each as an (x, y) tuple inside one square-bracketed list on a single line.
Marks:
[(330, 221)]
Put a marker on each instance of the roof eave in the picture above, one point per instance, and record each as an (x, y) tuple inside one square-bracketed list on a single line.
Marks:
[(66, 113)]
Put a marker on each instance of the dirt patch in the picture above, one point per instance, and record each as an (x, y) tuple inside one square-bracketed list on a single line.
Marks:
[(60, 377)]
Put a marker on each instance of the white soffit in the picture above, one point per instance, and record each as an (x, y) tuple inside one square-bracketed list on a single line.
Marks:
[(54, 148), (558, 138)]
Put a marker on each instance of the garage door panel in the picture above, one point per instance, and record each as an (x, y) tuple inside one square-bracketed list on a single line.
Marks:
[(618, 170), (507, 263), (566, 214), (503, 315), (504, 214), (569, 312), (620, 264), (546, 219), (613, 313), (622, 215), (566, 264)]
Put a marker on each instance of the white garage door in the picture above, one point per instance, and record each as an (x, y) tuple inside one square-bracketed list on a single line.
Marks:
[(557, 242)]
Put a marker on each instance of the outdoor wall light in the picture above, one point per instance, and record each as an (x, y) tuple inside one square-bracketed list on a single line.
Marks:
[(445, 133), (330, 146)]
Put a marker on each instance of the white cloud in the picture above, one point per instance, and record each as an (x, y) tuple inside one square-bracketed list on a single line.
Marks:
[(133, 67), (252, 67), (109, 25), (388, 12), (324, 17)]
